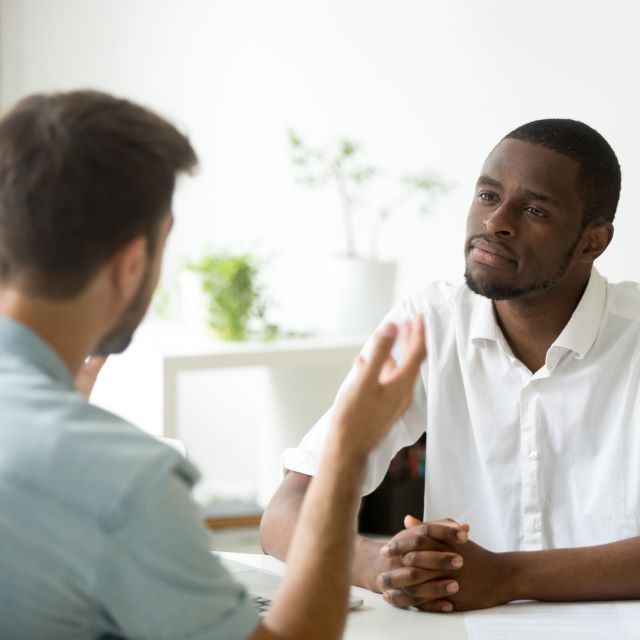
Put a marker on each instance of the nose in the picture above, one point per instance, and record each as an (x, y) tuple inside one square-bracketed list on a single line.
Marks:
[(499, 222)]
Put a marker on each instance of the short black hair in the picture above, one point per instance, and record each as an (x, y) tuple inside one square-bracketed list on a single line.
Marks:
[(599, 176), (81, 174)]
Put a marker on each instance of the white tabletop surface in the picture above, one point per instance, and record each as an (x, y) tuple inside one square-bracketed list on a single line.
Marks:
[(528, 621)]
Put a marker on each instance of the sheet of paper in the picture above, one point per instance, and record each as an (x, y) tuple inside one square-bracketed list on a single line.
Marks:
[(537, 621)]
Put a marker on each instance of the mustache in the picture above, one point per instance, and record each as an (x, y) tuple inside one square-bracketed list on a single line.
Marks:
[(491, 240)]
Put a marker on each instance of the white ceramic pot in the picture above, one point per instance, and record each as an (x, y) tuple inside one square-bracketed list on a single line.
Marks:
[(357, 295)]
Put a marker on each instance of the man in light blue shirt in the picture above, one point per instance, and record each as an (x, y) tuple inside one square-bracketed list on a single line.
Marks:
[(99, 536), (98, 532)]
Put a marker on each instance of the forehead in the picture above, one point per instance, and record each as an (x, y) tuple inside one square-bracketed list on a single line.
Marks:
[(520, 165)]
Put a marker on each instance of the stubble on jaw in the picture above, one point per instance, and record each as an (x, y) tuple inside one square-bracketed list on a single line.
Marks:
[(498, 291), (119, 338)]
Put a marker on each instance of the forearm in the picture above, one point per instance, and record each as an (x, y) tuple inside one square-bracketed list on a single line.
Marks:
[(368, 563), (604, 572), (312, 602), (279, 522), (281, 515)]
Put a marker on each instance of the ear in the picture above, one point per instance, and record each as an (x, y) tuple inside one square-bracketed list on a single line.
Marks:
[(128, 266), (596, 238)]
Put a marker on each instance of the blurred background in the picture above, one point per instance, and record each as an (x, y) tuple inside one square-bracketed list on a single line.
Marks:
[(309, 117)]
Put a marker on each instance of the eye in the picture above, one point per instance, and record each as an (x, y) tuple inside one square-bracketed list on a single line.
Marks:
[(487, 196), (536, 213)]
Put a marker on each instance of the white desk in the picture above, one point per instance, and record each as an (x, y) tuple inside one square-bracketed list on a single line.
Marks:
[(377, 620)]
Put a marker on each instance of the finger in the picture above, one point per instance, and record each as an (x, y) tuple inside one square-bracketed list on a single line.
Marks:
[(428, 536), (426, 590), (382, 344), (388, 369), (429, 592), (404, 335), (411, 521), (404, 577), (414, 539), (433, 560), (415, 353), (451, 521), (437, 606), (447, 531)]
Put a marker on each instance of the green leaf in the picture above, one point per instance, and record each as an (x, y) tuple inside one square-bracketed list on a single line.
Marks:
[(235, 295)]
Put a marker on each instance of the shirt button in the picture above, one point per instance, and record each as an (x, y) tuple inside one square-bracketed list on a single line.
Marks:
[(537, 525), (533, 455)]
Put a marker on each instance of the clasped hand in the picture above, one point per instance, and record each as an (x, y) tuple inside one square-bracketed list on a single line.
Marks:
[(435, 567)]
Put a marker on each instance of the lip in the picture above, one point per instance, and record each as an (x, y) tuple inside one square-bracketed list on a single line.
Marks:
[(491, 254)]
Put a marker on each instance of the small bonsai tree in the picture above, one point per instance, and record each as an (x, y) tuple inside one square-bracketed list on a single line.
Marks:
[(342, 167)]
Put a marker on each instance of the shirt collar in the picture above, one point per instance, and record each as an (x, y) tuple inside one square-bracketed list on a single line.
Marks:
[(578, 335), (582, 329), (483, 325), (19, 342)]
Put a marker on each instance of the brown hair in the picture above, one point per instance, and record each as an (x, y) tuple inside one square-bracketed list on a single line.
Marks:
[(81, 174)]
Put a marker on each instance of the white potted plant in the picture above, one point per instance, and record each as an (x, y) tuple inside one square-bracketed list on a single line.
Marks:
[(359, 283)]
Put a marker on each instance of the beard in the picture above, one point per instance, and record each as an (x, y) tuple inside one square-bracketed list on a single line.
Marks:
[(119, 338), (506, 291)]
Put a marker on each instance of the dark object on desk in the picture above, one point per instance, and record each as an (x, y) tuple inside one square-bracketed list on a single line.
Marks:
[(400, 493)]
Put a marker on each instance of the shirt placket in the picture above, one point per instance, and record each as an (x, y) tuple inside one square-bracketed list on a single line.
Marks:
[(532, 529)]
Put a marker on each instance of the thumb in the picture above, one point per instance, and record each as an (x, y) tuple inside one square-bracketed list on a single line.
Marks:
[(382, 344), (411, 521)]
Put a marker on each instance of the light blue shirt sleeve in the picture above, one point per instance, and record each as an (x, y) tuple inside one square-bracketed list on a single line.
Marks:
[(157, 578)]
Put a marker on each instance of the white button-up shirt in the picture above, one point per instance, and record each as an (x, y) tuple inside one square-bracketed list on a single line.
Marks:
[(530, 460)]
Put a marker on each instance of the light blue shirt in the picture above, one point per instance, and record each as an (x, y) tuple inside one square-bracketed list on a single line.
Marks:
[(98, 534)]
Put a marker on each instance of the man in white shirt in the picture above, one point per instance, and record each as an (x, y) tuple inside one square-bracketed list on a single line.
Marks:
[(528, 397)]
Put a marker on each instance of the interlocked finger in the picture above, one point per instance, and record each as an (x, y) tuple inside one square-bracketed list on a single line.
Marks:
[(405, 577), (422, 594), (430, 535), (433, 560)]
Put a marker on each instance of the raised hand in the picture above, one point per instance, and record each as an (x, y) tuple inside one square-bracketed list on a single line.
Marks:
[(383, 389)]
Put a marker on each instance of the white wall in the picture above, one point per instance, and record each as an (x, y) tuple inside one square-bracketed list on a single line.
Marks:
[(418, 83)]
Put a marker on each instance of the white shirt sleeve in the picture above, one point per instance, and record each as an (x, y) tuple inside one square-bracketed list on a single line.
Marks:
[(306, 457)]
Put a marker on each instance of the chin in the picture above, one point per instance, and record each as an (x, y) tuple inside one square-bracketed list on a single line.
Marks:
[(490, 288)]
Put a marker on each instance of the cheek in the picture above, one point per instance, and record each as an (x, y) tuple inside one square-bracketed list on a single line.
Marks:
[(156, 268), (473, 221)]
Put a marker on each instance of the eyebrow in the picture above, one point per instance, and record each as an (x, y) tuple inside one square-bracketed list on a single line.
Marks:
[(489, 182), (531, 195)]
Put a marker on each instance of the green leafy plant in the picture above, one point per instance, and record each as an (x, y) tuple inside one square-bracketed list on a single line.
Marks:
[(235, 296), (341, 166)]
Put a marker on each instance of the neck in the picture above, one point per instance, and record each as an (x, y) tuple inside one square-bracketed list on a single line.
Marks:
[(64, 325), (531, 324)]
